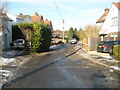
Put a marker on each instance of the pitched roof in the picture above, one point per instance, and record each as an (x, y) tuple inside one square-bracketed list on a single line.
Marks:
[(48, 23), (3, 15), (103, 17), (37, 18), (22, 16), (117, 5)]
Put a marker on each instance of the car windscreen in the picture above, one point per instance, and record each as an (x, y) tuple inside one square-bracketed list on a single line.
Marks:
[(117, 43), (103, 42), (106, 42), (18, 41)]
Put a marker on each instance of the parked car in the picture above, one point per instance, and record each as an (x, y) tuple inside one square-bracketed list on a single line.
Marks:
[(28, 45), (19, 44), (56, 42), (107, 46), (73, 41), (53, 42)]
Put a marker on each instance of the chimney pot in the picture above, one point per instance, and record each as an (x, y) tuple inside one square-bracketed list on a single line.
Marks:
[(106, 9)]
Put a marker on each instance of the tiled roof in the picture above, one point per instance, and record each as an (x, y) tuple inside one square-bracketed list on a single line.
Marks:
[(117, 5), (22, 16), (37, 18), (48, 23), (103, 17)]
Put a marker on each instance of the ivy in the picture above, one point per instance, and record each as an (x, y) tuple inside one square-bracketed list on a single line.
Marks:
[(38, 34)]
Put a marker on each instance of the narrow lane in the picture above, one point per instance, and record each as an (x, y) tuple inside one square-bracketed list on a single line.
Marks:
[(63, 69)]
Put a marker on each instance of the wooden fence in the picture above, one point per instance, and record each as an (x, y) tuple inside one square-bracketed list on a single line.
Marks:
[(90, 43)]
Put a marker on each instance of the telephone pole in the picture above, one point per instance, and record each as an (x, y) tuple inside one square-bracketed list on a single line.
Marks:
[(63, 31)]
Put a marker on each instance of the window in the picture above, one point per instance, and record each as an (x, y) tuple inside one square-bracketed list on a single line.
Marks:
[(115, 21)]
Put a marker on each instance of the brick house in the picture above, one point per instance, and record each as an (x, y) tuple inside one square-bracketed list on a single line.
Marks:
[(39, 18)]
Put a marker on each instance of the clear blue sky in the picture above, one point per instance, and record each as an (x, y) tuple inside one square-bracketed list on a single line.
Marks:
[(76, 13)]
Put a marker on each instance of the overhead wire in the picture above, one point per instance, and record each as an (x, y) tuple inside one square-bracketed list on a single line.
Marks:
[(58, 9)]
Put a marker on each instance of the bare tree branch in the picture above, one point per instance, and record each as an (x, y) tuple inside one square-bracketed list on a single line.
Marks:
[(3, 5)]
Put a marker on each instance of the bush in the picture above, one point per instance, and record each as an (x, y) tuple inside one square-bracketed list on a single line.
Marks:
[(116, 52), (36, 38), (45, 39), (37, 33)]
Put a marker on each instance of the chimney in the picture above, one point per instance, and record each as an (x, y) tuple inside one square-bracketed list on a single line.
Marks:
[(36, 14), (20, 14), (46, 20), (106, 9)]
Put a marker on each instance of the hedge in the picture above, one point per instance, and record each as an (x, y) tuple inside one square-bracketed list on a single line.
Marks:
[(116, 52), (38, 34)]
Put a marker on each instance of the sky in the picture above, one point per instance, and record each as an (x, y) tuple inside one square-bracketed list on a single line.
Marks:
[(76, 13)]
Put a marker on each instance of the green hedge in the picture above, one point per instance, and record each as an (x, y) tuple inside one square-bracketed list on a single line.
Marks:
[(116, 52), (38, 33), (17, 33)]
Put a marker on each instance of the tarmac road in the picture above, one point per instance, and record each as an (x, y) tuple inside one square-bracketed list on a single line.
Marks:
[(63, 69)]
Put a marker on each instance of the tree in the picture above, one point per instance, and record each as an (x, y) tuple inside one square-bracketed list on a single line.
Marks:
[(92, 30), (3, 5), (81, 34), (89, 31), (75, 31), (70, 33)]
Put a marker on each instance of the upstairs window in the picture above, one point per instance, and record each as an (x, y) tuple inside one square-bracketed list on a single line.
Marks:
[(114, 21)]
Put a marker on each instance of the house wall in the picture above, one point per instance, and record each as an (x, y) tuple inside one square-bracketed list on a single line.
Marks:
[(5, 32), (15, 19), (100, 24), (7, 35), (111, 25), (119, 24), (27, 19)]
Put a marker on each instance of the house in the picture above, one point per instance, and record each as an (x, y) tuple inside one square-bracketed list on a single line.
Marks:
[(16, 19), (5, 31), (7, 20), (26, 18), (110, 26), (101, 20), (48, 23), (39, 18)]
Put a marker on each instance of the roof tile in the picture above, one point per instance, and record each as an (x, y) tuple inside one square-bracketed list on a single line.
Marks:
[(117, 5), (103, 17)]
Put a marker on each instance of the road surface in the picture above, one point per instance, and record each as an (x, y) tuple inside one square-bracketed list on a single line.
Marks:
[(62, 68)]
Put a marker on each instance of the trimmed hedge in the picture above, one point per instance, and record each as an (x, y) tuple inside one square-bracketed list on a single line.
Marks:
[(38, 34), (116, 52)]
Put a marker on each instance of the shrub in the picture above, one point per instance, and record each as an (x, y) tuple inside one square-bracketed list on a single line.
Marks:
[(44, 33), (39, 34), (46, 38), (116, 52), (36, 38), (26, 28)]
